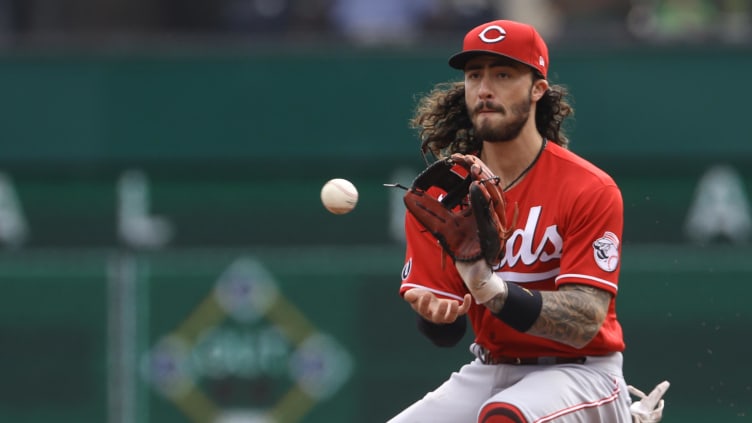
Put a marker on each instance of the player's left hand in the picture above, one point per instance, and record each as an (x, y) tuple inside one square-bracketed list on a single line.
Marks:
[(465, 233), (435, 309), (489, 207)]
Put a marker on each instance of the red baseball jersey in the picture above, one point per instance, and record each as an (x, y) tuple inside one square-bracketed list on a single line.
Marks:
[(568, 230)]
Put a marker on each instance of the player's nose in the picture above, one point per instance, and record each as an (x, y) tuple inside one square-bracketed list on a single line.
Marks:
[(484, 89)]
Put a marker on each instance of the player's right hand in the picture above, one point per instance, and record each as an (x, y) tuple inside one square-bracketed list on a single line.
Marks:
[(435, 309), (482, 282)]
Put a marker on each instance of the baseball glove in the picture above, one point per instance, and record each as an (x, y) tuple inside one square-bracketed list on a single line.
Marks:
[(466, 210)]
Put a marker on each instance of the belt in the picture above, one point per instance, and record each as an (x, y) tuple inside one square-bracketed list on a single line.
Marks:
[(487, 358), (501, 359)]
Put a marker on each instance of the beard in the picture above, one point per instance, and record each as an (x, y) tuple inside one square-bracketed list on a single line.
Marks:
[(517, 117)]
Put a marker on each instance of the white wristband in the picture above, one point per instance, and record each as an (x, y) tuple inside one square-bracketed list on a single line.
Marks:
[(482, 283)]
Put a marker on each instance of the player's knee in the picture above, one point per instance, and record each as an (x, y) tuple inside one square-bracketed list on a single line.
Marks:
[(501, 412)]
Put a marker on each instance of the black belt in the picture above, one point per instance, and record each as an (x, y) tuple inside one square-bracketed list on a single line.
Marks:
[(502, 359)]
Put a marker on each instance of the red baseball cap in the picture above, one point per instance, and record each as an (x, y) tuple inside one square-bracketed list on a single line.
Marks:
[(515, 40)]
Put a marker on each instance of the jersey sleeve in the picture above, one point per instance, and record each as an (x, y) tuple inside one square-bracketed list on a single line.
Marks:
[(591, 253), (427, 266)]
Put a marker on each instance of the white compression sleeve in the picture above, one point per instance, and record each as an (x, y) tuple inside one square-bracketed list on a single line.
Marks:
[(482, 282)]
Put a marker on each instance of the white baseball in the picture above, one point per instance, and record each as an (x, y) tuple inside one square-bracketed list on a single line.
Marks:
[(339, 196)]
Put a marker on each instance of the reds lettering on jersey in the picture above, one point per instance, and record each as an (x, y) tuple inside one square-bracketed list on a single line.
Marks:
[(568, 231)]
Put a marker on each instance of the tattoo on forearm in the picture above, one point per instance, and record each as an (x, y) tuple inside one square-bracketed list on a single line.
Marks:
[(496, 303), (572, 315)]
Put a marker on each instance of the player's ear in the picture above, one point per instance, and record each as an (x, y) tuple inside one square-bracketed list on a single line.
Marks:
[(540, 86)]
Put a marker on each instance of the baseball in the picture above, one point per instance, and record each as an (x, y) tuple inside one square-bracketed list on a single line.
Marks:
[(339, 196)]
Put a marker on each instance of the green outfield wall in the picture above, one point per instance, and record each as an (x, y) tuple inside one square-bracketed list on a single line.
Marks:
[(225, 139), (333, 343), (279, 203), (322, 103), (164, 255)]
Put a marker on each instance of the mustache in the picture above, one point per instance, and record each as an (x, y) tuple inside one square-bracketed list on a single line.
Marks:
[(488, 105)]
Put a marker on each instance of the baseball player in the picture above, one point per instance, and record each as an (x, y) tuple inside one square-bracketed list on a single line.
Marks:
[(548, 344)]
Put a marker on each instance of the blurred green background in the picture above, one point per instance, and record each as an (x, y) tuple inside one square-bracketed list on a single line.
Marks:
[(166, 258)]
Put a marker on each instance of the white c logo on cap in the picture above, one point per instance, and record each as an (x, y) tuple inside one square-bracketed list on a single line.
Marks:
[(501, 36)]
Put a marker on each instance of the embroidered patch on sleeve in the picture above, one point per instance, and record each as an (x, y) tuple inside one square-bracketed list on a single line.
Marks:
[(606, 251), (407, 268)]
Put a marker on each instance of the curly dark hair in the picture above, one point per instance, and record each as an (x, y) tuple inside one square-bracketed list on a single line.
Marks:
[(445, 126)]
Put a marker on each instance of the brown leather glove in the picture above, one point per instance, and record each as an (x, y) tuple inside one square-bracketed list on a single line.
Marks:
[(465, 210)]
